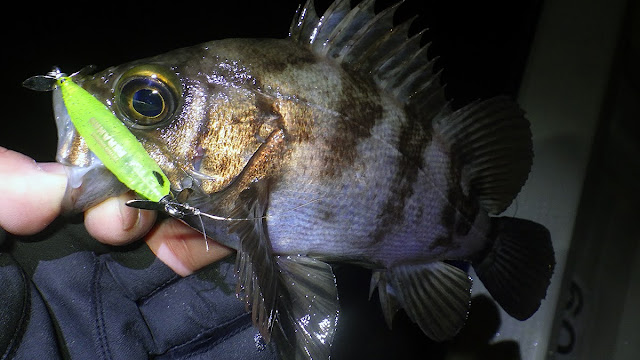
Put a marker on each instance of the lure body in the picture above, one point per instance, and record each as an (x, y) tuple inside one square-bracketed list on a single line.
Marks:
[(112, 142), (115, 146)]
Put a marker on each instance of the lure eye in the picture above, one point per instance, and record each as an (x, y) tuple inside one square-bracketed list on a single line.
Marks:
[(146, 98)]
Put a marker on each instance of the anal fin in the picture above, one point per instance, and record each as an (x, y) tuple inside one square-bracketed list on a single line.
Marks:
[(436, 296), (388, 299)]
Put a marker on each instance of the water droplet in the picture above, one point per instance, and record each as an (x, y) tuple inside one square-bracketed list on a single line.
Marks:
[(260, 343)]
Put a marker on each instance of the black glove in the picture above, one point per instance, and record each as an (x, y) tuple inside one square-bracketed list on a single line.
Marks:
[(63, 296)]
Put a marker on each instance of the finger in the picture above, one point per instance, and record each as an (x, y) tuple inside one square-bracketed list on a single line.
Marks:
[(32, 193), (113, 222), (182, 248)]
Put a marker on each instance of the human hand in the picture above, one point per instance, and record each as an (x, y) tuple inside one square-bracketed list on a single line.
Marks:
[(32, 198)]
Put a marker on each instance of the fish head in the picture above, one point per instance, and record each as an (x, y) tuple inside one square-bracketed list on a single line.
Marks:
[(200, 113)]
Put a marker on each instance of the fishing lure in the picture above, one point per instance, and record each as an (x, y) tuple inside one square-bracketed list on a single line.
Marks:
[(107, 137), (113, 144)]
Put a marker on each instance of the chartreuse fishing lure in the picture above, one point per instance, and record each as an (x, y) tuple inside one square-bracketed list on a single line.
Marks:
[(107, 137), (113, 144)]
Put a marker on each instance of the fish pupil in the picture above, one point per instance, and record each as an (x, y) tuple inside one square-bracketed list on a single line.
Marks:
[(148, 102)]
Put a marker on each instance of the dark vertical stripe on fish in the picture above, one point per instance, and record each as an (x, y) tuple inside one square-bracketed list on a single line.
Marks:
[(360, 109), (460, 212), (411, 144)]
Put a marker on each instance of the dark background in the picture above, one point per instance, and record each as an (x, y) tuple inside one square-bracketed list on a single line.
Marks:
[(482, 48), (482, 45)]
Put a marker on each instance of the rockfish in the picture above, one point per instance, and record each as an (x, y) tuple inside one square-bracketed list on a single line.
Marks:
[(335, 144)]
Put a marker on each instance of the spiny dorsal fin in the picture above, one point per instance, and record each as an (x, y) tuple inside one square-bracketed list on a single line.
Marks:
[(369, 43)]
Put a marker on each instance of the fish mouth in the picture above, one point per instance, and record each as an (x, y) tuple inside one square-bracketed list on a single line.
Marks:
[(71, 149)]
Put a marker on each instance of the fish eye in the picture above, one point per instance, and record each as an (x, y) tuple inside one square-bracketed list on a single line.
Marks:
[(146, 97)]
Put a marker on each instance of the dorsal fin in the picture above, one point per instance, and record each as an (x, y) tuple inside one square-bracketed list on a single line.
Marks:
[(369, 43), (491, 140)]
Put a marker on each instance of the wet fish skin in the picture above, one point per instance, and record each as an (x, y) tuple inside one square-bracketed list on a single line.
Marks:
[(339, 144), (322, 159)]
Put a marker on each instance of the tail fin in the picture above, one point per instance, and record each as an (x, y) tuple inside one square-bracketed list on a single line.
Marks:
[(517, 269)]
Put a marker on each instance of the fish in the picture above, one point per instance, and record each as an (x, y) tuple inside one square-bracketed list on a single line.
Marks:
[(333, 145)]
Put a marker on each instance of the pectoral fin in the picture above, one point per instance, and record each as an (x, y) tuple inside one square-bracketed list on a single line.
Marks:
[(293, 299), (256, 267), (308, 309), (436, 296)]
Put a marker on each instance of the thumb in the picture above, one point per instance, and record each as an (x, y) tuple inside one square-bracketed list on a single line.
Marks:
[(32, 192)]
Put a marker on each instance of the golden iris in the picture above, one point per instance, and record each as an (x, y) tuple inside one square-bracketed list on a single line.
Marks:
[(147, 96)]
